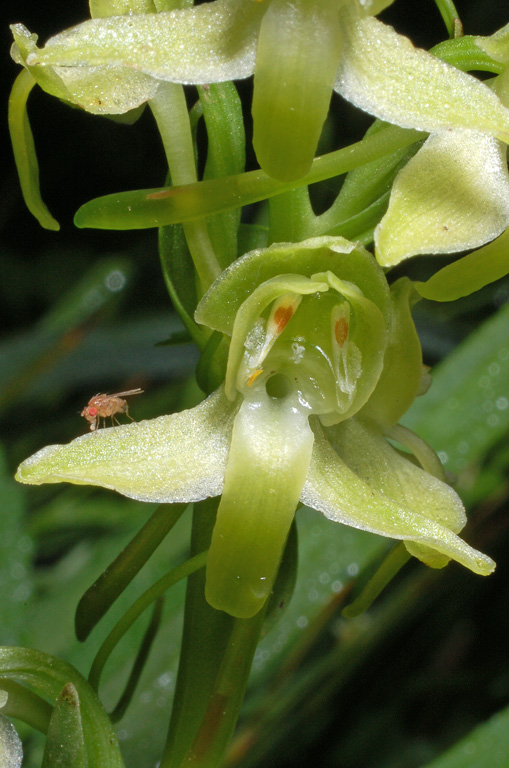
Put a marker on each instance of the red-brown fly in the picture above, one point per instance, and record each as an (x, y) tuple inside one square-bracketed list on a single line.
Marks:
[(106, 407)]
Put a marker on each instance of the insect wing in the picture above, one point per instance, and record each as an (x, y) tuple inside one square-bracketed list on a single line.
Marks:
[(129, 392)]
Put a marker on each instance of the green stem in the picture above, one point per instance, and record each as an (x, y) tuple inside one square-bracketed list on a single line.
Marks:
[(98, 599), (215, 660), (450, 16), (291, 216), (172, 117), (141, 604)]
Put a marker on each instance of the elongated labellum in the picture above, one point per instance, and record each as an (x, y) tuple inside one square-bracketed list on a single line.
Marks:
[(267, 464)]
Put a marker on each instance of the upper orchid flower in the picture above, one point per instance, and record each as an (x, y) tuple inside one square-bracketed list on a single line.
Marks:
[(453, 195), (298, 51), (323, 361)]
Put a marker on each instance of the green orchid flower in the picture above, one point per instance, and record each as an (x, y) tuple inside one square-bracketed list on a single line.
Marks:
[(299, 53), (453, 195), (323, 361)]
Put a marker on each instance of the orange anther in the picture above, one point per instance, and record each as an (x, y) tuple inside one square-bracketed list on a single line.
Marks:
[(341, 331), (282, 316), (254, 376)]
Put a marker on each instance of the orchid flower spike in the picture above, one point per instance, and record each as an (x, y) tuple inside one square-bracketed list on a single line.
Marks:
[(324, 359), (299, 52)]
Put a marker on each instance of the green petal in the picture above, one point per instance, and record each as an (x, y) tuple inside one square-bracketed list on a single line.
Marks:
[(469, 274), (369, 334), (346, 260), (212, 42), (268, 461), (496, 45), (453, 195), (296, 63), (382, 73), (176, 458), (335, 489)]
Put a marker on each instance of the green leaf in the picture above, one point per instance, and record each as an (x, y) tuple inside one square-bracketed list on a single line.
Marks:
[(15, 558), (487, 746), (466, 411), (47, 675), (105, 590)]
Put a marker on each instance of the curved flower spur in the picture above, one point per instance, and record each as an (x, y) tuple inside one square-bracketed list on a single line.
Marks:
[(324, 359)]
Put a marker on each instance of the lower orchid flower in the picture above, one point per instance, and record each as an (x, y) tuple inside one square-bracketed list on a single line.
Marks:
[(324, 359)]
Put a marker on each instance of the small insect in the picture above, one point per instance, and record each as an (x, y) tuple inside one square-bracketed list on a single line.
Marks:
[(106, 407)]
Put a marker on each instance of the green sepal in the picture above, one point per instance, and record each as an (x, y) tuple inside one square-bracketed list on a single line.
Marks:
[(298, 53), (264, 477), (99, 8), (65, 743), (401, 375), (128, 54), (453, 195), (470, 273), (384, 74), (421, 511), (93, 88), (175, 458)]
